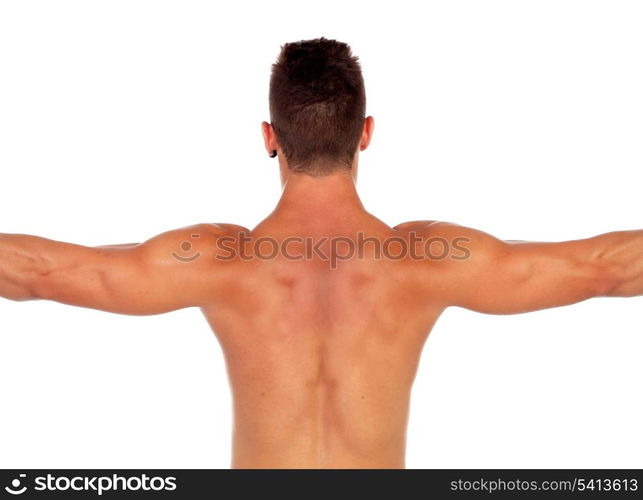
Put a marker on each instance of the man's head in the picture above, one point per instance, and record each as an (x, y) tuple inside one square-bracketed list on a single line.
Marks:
[(317, 107)]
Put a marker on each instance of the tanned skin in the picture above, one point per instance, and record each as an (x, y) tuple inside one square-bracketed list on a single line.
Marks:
[(321, 357)]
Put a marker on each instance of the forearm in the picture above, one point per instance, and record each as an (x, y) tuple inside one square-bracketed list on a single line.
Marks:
[(32, 267), (22, 260), (620, 253)]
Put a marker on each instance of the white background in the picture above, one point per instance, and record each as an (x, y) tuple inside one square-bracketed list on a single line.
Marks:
[(122, 119)]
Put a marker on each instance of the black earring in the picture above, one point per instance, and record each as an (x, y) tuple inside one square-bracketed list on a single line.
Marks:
[(273, 154)]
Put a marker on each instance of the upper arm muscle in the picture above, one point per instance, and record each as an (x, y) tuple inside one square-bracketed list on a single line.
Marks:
[(505, 277), (153, 277)]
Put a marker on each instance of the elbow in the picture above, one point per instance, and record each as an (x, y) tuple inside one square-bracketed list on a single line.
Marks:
[(39, 287), (30, 290), (37, 283)]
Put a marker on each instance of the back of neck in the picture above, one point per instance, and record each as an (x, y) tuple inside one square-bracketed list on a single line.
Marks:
[(319, 196)]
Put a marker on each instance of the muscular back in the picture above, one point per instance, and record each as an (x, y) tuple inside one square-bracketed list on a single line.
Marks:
[(321, 355), (321, 350)]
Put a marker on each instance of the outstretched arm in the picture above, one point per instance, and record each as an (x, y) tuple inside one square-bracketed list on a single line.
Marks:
[(505, 277), (136, 279)]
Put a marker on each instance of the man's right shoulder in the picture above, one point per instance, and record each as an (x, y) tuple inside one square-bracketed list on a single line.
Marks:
[(464, 243), (426, 226)]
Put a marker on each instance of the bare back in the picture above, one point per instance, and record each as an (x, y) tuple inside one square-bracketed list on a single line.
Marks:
[(321, 356), (321, 347)]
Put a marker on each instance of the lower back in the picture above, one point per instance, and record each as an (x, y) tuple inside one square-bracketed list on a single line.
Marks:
[(326, 426)]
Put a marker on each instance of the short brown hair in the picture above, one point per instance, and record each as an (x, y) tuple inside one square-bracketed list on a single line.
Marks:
[(317, 105)]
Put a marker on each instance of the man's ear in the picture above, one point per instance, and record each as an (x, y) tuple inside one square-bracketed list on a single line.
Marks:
[(269, 137), (367, 133)]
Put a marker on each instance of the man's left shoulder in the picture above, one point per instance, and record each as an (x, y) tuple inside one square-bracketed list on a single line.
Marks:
[(229, 228), (188, 243), (208, 230)]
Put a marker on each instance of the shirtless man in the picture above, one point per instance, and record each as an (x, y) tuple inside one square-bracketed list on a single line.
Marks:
[(321, 330)]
